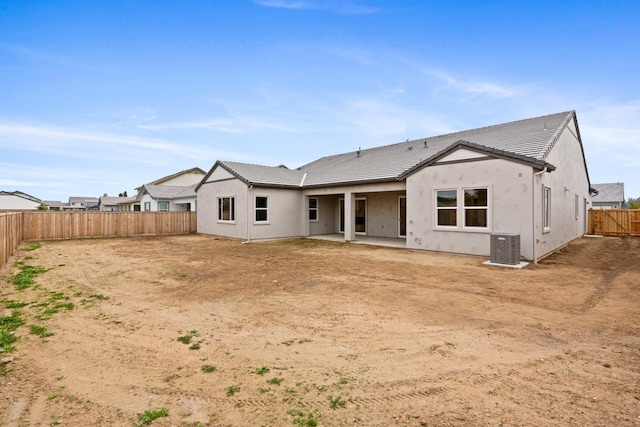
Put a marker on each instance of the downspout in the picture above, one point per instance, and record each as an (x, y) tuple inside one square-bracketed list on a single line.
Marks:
[(248, 212), (533, 213)]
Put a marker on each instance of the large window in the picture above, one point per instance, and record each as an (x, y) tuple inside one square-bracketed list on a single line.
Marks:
[(475, 207), (163, 206), (447, 208), (546, 208), (462, 208), (313, 209), (262, 209), (226, 209)]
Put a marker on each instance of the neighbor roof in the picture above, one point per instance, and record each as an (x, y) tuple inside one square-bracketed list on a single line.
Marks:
[(169, 192), (169, 177), (527, 141), (21, 195), (609, 192)]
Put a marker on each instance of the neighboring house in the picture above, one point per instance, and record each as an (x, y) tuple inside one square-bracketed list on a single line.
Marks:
[(82, 203), (55, 205), (165, 198), (115, 204), (446, 193), (610, 196), (174, 192), (17, 200)]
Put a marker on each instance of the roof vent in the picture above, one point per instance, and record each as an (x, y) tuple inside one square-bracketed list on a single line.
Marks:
[(358, 152), (410, 148), (425, 144), (545, 126)]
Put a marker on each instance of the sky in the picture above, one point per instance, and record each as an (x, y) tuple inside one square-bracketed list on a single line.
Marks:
[(99, 97)]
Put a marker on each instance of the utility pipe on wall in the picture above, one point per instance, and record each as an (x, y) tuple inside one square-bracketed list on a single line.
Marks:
[(533, 212)]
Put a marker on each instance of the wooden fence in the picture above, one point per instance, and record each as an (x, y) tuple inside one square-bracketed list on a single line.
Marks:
[(11, 227), (614, 222), (47, 225)]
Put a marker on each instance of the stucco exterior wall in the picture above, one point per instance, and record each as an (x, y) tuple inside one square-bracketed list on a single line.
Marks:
[(327, 216), (566, 182), (509, 186), (184, 180), (18, 203), (207, 197), (382, 214), (285, 214)]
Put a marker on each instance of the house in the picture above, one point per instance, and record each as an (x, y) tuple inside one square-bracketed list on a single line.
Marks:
[(82, 204), (17, 200), (610, 196), (174, 192), (115, 204), (445, 193)]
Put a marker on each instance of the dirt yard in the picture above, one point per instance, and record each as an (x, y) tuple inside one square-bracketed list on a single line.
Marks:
[(316, 333)]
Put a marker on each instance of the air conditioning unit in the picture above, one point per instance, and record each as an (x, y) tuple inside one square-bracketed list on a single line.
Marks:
[(505, 249)]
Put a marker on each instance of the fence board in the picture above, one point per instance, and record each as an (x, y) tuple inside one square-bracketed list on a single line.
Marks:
[(614, 222), (11, 226)]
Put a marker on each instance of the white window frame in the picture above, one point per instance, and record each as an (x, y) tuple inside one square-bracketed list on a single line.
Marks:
[(163, 203), (466, 208), (147, 206), (546, 209), (577, 206), (461, 209), (316, 210), (438, 208), (232, 209), (256, 209)]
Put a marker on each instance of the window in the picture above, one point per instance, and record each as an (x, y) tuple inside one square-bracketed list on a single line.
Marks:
[(463, 208), (226, 209), (475, 207), (577, 206), (447, 208), (546, 208), (313, 209), (147, 206), (163, 206), (262, 209)]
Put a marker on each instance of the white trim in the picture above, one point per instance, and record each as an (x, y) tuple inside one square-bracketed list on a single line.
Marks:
[(461, 210), (546, 209), (256, 208), (232, 210), (316, 209)]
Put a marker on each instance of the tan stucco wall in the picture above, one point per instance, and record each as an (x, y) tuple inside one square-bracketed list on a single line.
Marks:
[(569, 179), (184, 180), (516, 204), (509, 186), (285, 208), (382, 214), (327, 216)]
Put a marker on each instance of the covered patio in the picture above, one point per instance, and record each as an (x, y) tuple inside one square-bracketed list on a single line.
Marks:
[(389, 242)]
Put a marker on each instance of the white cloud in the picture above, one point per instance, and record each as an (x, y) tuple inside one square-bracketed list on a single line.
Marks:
[(235, 124), (81, 143), (342, 7), (472, 88)]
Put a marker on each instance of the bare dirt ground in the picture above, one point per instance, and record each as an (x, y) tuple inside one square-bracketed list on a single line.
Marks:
[(315, 333)]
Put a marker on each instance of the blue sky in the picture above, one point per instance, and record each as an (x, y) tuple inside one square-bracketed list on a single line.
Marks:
[(103, 96)]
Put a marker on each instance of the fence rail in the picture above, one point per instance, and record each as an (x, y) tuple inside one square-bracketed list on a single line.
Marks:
[(614, 222), (46, 225)]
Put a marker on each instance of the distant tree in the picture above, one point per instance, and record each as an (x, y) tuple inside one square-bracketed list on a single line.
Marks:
[(43, 208), (634, 203)]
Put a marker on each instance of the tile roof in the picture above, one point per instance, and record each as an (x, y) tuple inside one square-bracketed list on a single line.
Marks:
[(609, 192), (528, 141), (169, 177), (21, 195), (169, 191)]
